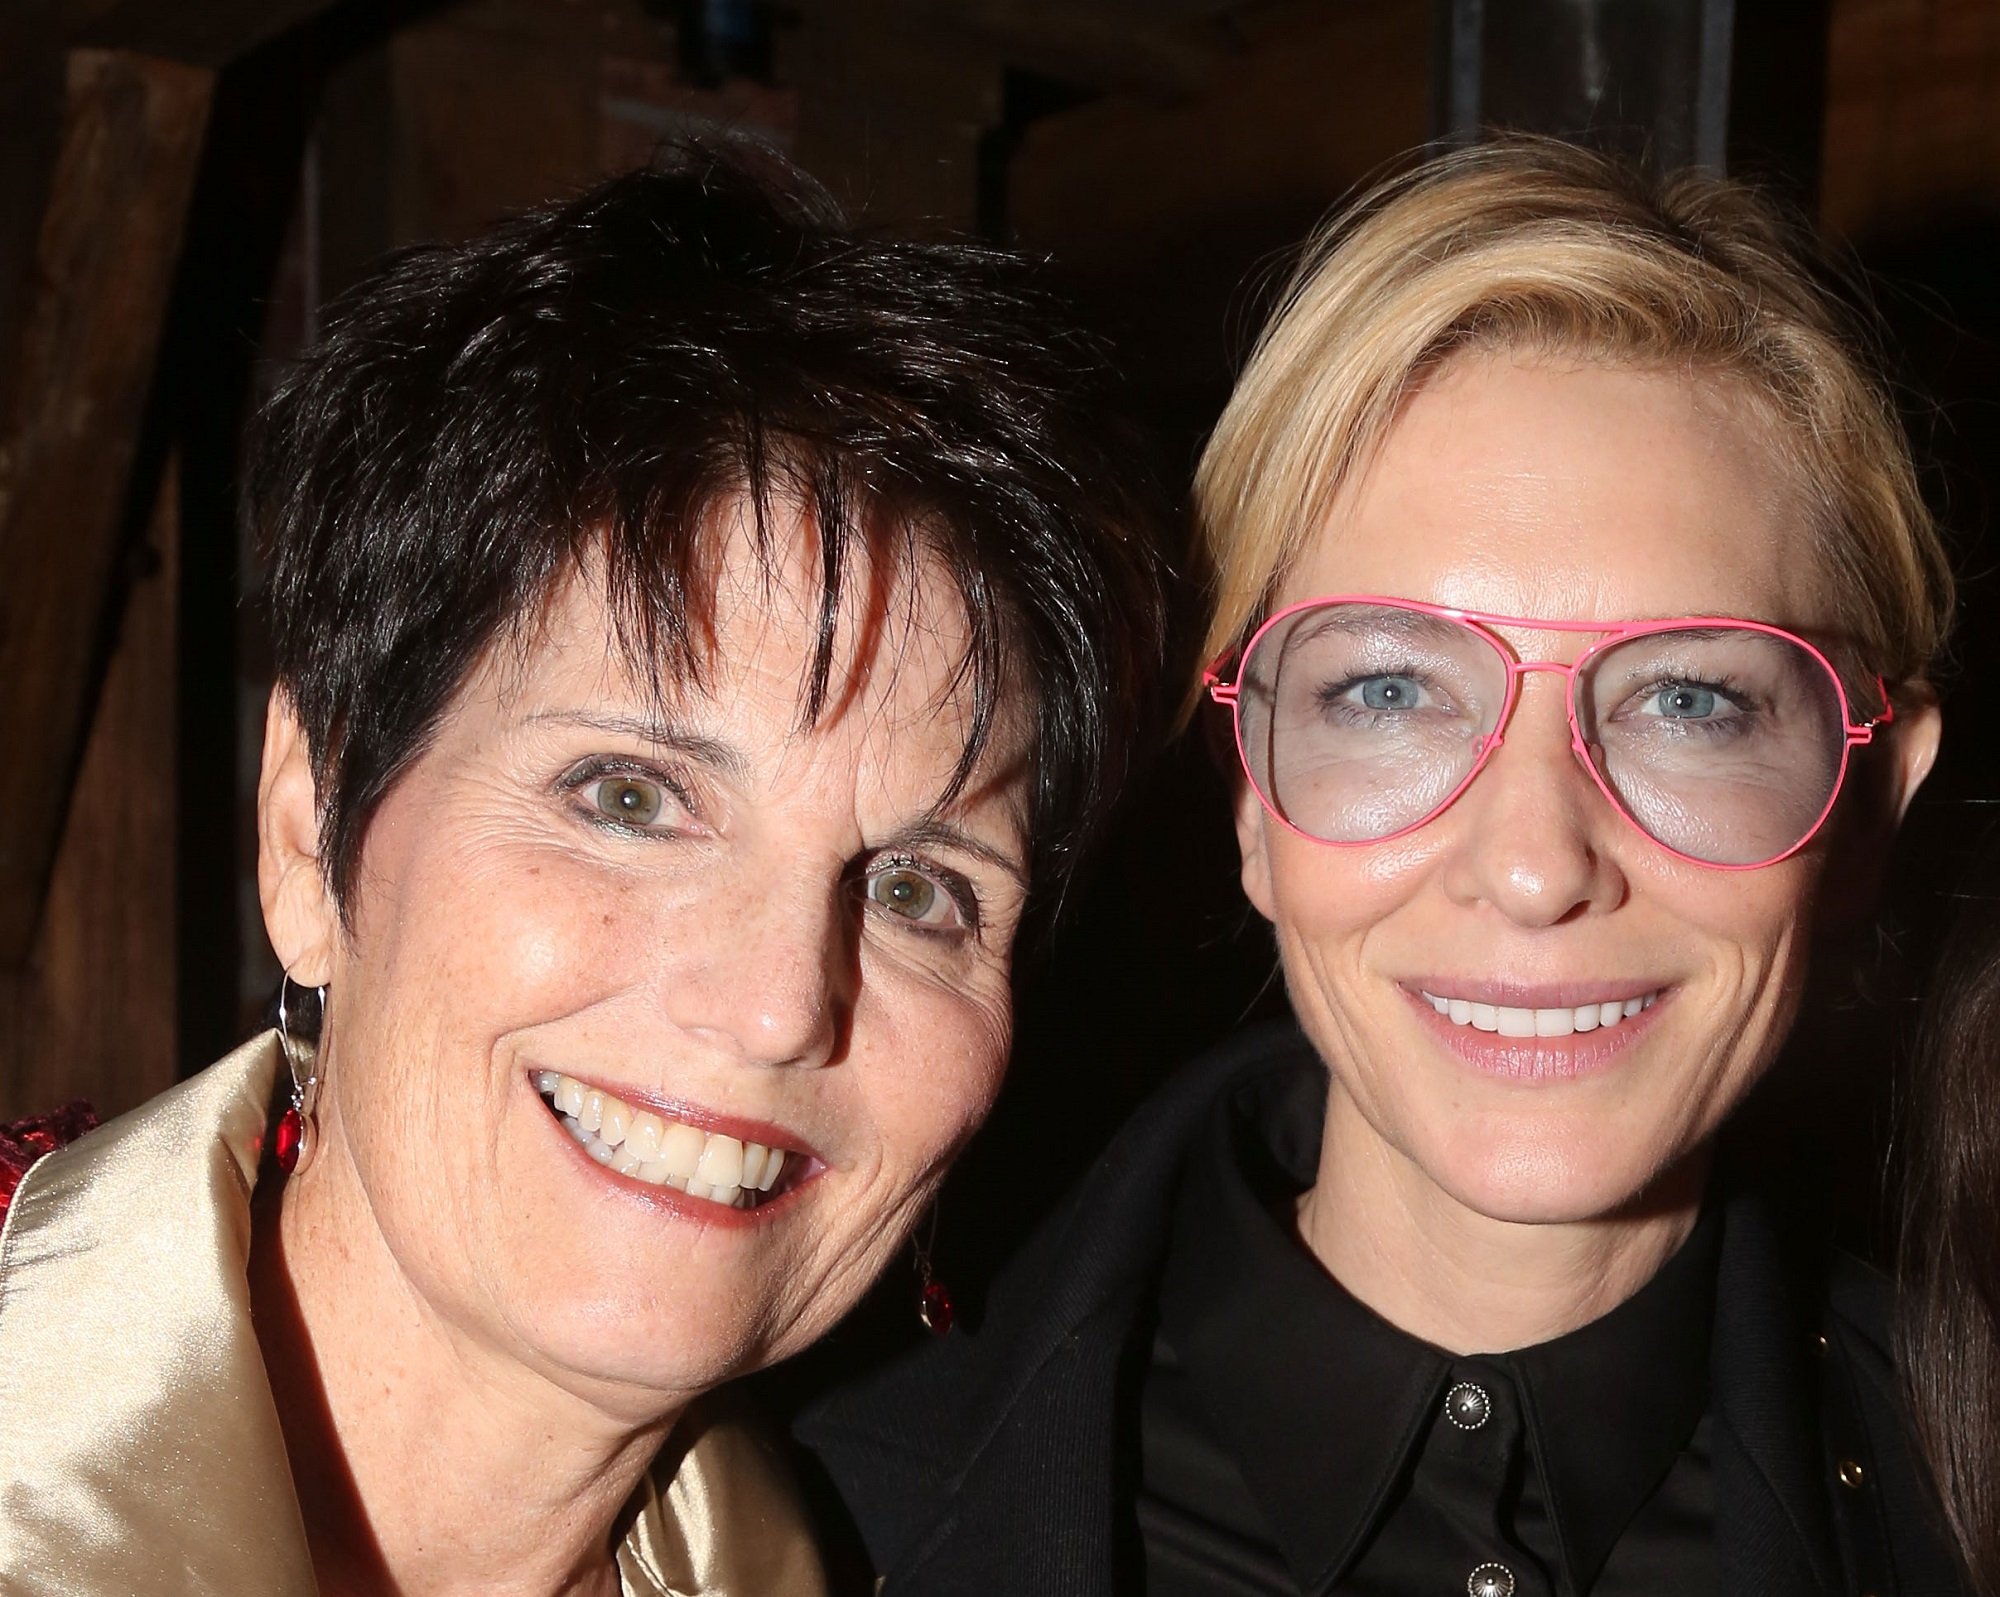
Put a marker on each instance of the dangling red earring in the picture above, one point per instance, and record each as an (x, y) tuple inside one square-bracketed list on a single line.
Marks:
[(934, 1308), (294, 1128)]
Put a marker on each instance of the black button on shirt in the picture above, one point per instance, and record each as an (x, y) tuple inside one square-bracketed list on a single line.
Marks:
[(1294, 1444)]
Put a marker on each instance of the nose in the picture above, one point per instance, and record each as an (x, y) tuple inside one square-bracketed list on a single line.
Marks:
[(1532, 839), (771, 978)]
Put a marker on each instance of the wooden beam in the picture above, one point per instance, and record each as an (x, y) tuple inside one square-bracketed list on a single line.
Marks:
[(90, 330), (208, 33), (92, 1014)]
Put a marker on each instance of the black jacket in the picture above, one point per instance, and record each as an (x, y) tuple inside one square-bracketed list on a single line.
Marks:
[(984, 1465)]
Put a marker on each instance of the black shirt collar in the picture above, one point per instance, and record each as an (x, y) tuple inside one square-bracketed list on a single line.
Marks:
[(1323, 1403)]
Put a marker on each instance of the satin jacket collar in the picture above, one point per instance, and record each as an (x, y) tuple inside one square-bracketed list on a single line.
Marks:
[(140, 1448)]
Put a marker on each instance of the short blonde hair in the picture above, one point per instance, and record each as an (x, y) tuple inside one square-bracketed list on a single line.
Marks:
[(1534, 245)]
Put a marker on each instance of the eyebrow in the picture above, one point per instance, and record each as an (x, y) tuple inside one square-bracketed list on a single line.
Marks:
[(647, 729), (931, 832), (935, 832)]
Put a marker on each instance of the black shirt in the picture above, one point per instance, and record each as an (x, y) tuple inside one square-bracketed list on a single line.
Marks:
[(1291, 1443)]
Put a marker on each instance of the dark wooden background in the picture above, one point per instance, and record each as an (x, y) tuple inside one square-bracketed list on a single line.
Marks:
[(185, 183)]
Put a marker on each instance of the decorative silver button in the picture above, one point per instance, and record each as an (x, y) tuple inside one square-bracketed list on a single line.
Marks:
[(1490, 1580), (1467, 1406)]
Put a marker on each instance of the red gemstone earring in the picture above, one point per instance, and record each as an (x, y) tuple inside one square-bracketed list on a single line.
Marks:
[(294, 1125), (933, 1297)]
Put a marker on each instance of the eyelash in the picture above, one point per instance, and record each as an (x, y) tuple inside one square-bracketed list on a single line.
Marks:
[(581, 776), (954, 886)]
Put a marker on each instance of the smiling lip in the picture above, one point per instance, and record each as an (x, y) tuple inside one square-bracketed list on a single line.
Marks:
[(1582, 1050), (686, 1160)]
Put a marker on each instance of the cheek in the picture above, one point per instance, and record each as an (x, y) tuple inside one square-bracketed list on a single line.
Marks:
[(1326, 897), (931, 1063), (484, 924), (1751, 921)]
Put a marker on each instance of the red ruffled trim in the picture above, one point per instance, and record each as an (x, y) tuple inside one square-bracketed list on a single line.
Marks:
[(22, 1142)]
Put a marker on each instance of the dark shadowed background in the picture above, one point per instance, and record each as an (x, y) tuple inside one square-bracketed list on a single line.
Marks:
[(184, 184)]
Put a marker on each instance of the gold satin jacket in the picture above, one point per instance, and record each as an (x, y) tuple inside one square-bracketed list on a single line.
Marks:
[(140, 1451)]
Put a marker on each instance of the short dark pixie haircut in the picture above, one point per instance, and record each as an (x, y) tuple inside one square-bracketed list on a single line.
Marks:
[(584, 386)]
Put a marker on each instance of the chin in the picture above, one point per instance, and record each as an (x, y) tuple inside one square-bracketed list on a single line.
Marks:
[(648, 1345), (1529, 1176)]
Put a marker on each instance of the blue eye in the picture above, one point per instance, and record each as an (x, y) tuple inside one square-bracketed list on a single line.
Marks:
[(1390, 692), (1684, 701)]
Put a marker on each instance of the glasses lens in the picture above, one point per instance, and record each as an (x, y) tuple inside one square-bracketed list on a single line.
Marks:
[(1723, 743), (1359, 720)]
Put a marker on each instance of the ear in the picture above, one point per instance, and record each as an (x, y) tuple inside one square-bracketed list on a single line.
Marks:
[(299, 913), (1253, 838), (1898, 761), (1913, 744)]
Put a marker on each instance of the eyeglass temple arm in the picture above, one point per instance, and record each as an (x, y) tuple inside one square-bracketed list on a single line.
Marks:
[(1865, 732), (1220, 691)]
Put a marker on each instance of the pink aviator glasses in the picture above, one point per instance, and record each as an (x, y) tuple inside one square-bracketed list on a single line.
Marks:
[(1359, 719)]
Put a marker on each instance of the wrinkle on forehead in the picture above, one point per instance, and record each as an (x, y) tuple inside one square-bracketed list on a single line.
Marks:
[(899, 619), (1581, 517)]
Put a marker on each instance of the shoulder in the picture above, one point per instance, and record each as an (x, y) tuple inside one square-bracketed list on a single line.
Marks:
[(1028, 1393), (1887, 1501), (721, 1504)]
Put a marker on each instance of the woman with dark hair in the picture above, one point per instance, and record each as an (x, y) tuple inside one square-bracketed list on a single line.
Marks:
[(1571, 602), (1949, 1325), (702, 638)]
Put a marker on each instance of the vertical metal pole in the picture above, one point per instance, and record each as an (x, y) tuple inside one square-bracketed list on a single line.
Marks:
[(1711, 104)]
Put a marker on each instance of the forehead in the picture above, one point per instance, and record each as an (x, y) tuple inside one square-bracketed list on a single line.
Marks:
[(1571, 490), (898, 684)]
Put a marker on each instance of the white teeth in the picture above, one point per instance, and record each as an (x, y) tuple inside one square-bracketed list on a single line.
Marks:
[(663, 1153), (721, 1162), (761, 1165), (680, 1147), (642, 1136), (1510, 1021)]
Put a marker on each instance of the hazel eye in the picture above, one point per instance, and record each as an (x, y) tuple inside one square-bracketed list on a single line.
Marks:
[(629, 800), (906, 891)]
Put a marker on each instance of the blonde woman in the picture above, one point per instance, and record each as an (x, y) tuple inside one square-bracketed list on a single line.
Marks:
[(1572, 601)]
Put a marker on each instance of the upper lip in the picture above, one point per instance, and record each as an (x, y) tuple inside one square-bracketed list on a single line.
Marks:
[(737, 1126), (1535, 995)]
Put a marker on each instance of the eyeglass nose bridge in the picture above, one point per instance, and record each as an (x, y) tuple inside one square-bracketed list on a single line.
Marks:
[(1516, 669)]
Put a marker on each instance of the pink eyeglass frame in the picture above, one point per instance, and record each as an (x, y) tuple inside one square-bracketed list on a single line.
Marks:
[(1480, 624)]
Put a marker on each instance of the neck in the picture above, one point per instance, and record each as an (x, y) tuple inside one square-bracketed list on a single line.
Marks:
[(1461, 1280), (425, 1465)]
